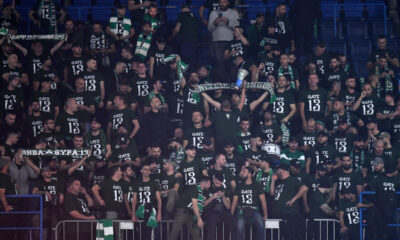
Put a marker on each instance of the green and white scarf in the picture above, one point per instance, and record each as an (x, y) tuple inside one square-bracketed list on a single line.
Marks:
[(200, 201), (104, 230), (290, 72), (285, 134), (143, 45), (127, 24), (388, 79), (154, 21), (180, 65), (49, 15), (152, 221), (159, 96)]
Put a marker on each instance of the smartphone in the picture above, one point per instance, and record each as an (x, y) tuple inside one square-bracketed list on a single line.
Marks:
[(220, 14)]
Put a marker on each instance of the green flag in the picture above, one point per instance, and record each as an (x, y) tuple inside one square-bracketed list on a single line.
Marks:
[(104, 230)]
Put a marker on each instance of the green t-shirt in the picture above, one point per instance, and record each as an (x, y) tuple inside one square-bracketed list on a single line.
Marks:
[(287, 156), (284, 191), (265, 179), (249, 195), (113, 194), (314, 102)]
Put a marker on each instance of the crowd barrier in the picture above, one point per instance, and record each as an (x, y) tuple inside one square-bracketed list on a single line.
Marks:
[(24, 213), (125, 229)]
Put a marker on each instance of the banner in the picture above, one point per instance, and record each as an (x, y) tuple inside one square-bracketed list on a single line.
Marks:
[(231, 86), (55, 152), (26, 37)]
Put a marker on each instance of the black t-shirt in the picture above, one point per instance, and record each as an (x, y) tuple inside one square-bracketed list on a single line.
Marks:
[(42, 11), (42, 75), (161, 68), (75, 66), (189, 27), (34, 62), (141, 88), (112, 194), (33, 126), (70, 124), (11, 100), (75, 203), (7, 183), (92, 82), (47, 101), (146, 192)]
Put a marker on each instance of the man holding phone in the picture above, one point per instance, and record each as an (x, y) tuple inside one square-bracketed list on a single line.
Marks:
[(221, 24)]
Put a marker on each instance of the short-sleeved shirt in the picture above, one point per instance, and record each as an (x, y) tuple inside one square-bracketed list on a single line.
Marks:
[(69, 123), (347, 180), (226, 124), (249, 195), (189, 26), (75, 203), (195, 136), (112, 194), (47, 101), (146, 192), (85, 99), (351, 213), (92, 82), (7, 183), (284, 191), (123, 118), (314, 102), (269, 134), (141, 88), (191, 171), (281, 107)]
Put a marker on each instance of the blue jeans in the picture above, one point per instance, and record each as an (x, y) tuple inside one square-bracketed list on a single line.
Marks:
[(257, 223)]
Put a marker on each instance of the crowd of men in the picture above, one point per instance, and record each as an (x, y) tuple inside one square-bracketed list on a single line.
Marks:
[(160, 150)]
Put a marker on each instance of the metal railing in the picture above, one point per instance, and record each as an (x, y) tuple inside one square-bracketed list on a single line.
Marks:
[(126, 229), (362, 224), (40, 228)]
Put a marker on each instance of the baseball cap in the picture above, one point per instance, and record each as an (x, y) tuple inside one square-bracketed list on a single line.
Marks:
[(3, 162), (12, 77), (320, 123), (321, 167), (121, 6), (123, 139), (377, 160), (324, 182), (190, 147), (284, 166), (348, 190), (295, 163), (207, 141), (219, 176)]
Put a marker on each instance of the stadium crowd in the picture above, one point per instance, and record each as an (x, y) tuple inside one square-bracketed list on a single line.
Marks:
[(161, 150)]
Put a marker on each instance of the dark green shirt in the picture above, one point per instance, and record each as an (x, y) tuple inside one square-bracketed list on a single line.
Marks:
[(284, 191), (351, 212), (249, 195), (191, 171)]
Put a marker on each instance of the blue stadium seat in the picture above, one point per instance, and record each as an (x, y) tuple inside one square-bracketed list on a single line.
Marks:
[(359, 50), (356, 30), (337, 46), (393, 44), (361, 68), (379, 29), (328, 32), (353, 12)]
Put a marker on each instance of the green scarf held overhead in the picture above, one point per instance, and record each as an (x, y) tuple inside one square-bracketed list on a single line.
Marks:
[(290, 72), (126, 25), (285, 134), (152, 221), (104, 230), (143, 45), (200, 201), (180, 65)]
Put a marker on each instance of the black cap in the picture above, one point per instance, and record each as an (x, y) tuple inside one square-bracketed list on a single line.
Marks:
[(250, 169), (123, 139), (321, 167), (390, 93), (292, 138), (229, 144), (325, 182), (348, 190), (76, 44), (323, 134), (372, 120), (190, 147), (295, 163), (260, 14), (121, 6), (12, 77), (284, 166), (342, 121), (207, 141), (161, 39), (95, 119), (219, 176)]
